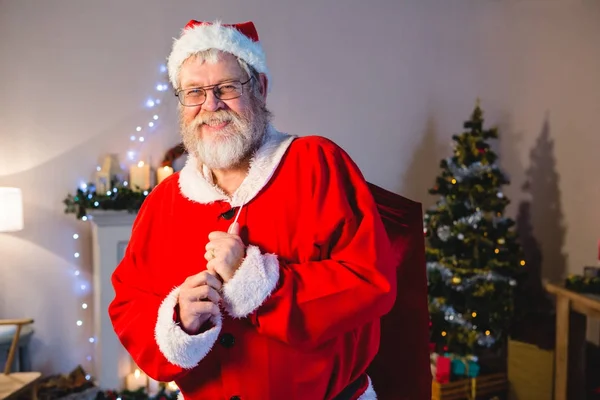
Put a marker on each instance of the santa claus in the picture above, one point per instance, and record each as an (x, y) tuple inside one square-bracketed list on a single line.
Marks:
[(262, 269)]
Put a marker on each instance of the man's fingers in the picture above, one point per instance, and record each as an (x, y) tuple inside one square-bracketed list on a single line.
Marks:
[(205, 307), (234, 229), (203, 293), (203, 278)]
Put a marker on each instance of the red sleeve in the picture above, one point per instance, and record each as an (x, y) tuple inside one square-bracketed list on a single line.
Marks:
[(353, 281), (143, 320)]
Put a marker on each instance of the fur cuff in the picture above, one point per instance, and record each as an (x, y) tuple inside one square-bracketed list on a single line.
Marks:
[(252, 283), (178, 347), (369, 394)]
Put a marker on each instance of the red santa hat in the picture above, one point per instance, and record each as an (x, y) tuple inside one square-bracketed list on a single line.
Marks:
[(241, 40)]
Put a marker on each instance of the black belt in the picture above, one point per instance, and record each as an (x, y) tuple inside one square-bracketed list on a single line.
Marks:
[(350, 390)]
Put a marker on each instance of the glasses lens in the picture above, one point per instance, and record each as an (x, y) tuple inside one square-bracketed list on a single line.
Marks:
[(229, 90), (192, 97)]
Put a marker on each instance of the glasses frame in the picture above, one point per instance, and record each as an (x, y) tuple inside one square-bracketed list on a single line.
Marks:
[(209, 87)]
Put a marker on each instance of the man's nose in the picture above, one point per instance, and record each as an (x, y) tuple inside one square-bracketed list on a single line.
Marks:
[(212, 103)]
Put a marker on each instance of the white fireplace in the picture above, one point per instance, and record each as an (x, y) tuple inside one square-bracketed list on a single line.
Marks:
[(111, 232)]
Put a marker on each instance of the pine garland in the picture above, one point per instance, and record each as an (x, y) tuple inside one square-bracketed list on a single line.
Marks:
[(582, 284), (139, 394), (120, 198)]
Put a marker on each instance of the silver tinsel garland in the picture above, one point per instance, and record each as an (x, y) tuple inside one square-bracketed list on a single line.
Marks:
[(462, 172), (447, 275), (456, 318)]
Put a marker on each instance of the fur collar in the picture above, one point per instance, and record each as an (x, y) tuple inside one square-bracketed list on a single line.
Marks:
[(199, 187)]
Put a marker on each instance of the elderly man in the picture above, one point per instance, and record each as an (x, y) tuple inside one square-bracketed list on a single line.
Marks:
[(262, 269)]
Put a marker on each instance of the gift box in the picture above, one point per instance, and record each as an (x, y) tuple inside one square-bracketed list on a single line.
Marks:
[(480, 388)]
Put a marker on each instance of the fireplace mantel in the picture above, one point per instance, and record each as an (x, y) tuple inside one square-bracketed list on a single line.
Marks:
[(110, 232)]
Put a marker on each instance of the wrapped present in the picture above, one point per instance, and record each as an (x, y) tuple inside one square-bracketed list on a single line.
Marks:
[(440, 368)]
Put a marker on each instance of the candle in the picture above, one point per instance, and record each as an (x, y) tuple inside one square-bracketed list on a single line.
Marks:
[(139, 176), (162, 173), (136, 380), (172, 387), (153, 387)]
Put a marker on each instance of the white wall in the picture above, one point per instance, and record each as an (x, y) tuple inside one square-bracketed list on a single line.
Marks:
[(389, 80)]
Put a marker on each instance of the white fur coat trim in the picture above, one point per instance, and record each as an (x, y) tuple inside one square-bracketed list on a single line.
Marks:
[(198, 185), (178, 347), (369, 394), (215, 36), (252, 283)]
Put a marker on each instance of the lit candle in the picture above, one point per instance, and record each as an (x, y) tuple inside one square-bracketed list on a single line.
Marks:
[(162, 173), (153, 387), (139, 176), (136, 380), (172, 387)]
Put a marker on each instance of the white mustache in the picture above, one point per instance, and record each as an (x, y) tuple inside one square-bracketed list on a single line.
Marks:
[(213, 119)]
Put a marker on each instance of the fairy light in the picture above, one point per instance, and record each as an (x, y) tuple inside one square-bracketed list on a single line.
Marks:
[(135, 139)]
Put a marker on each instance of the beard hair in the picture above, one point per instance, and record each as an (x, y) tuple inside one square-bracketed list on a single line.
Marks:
[(232, 145)]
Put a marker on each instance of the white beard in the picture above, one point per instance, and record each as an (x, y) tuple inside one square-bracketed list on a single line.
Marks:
[(231, 145), (224, 151)]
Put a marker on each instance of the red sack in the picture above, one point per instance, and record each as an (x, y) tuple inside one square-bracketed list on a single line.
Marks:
[(401, 370)]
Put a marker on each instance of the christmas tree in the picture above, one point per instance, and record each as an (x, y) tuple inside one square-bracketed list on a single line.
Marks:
[(474, 260)]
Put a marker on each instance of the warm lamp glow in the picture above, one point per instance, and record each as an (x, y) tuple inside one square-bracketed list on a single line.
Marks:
[(11, 209)]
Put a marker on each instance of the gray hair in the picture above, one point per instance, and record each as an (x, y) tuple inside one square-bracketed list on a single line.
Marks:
[(211, 56)]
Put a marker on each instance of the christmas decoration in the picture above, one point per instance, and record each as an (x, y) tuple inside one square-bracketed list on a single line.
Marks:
[(583, 284), (140, 394), (121, 197), (473, 258)]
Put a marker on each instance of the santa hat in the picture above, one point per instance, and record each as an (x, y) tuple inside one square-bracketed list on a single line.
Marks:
[(241, 40)]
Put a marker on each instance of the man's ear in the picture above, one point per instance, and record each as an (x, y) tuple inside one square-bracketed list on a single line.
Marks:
[(263, 85)]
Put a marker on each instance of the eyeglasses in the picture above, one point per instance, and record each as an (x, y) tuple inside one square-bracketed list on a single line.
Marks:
[(223, 91)]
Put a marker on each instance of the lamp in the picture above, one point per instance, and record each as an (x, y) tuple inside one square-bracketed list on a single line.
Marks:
[(11, 209)]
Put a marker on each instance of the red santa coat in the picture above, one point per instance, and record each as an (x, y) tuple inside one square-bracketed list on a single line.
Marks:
[(301, 315)]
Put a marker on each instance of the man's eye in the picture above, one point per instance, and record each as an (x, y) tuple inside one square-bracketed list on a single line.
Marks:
[(193, 93), (227, 88)]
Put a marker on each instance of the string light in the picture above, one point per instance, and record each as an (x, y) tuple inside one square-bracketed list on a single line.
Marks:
[(151, 102)]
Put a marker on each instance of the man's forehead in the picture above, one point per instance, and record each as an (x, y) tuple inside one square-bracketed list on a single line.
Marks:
[(196, 71)]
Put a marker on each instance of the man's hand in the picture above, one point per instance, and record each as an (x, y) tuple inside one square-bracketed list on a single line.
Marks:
[(225, 252), (198, 301)]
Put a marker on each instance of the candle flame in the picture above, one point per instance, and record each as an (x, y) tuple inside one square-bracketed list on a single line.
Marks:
[(141, 164), (137, 373)]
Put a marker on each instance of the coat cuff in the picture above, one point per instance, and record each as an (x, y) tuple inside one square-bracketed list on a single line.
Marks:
[(177, 346), (369, 394), (252, 283)]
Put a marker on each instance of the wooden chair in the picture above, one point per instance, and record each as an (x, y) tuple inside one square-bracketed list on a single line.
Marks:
[(17, 384)]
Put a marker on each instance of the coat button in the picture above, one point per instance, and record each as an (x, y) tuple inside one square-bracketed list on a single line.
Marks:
[(227, 340), (235, 398), (229, 214)]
